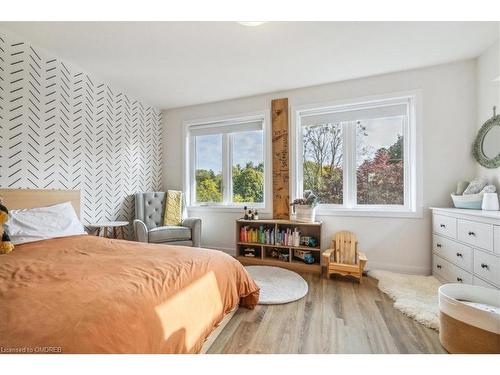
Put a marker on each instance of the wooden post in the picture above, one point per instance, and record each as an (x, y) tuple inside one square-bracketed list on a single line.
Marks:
[(281, 194)]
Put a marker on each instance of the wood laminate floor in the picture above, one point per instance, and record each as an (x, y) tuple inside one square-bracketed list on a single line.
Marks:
[(336, 316)]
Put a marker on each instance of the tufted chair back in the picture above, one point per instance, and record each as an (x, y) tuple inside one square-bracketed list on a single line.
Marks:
[(149, 208)]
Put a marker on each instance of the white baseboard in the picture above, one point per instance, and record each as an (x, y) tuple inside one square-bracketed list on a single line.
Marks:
[(398, 268), (229, 250), (370, 265)]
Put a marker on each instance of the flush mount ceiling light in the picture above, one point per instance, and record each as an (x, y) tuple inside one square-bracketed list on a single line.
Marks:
[(250, 23)]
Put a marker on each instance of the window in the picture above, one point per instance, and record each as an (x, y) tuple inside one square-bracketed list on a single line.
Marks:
[(208, 168), (358, 157), (226, 162)]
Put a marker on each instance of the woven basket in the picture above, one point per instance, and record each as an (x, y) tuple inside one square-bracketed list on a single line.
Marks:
[(470, 201)]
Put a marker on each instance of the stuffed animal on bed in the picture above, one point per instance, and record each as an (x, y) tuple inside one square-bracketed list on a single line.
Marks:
[(5, 245)]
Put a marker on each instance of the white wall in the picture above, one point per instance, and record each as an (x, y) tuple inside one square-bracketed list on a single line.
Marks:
[(488, 95), (448, 129)]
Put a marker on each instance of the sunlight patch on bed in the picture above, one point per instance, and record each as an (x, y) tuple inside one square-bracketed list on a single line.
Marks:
[(192, 309)]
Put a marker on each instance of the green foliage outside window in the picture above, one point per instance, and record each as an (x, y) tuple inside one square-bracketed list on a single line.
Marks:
[(248, 184), (208, 186)]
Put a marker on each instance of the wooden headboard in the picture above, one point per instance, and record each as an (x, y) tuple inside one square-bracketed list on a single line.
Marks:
[(15, 199)]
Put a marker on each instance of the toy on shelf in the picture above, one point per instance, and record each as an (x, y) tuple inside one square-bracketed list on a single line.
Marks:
[(250, 214), (249, 252), (305, 255), (284, 256), (309, 259), (308, 241), (343, 257)]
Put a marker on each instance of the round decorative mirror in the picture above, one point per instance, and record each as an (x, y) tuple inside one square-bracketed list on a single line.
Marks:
[(487, 144)]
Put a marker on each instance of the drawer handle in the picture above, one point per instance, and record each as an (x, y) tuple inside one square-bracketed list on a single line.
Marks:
[(438, 266), (438, 245), (484, 265), (459, 254), (459, 279), (442, 226), (472, 234)]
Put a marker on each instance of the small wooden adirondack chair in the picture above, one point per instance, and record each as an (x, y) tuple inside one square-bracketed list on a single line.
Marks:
[(343, 257)]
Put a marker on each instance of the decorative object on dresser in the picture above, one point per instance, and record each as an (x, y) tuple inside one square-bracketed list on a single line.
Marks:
[(466, 246), (461, 186), (148, 223), (475, 186), (471, 195), (490, 202), (110, 229), (343, 257), (274, 243), (486, 149)]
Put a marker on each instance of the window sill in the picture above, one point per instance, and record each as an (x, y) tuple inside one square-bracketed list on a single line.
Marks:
[(229, 209), (360, 212)]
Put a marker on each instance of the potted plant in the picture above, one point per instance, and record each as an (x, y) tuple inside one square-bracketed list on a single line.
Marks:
[(304, 209)]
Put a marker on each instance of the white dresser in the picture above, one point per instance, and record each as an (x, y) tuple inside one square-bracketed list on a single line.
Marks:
[(466, 246)]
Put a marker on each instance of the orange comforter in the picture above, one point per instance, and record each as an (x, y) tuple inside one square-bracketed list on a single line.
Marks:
[(85, 294)]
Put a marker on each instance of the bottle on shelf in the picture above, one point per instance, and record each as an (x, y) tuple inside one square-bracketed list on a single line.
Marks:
[(296, 237), (246, 213), (256, 215)]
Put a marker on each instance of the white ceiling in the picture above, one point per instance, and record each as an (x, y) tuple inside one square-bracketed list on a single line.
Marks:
[(174, 64)]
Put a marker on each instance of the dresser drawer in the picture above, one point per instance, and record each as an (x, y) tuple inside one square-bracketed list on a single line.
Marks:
[(476, 234), (480, 282), (444, 225), (449, 272), (456, 253), (496, 239), (487, 266)]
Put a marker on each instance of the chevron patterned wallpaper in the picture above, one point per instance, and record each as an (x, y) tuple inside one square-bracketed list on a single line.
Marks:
[(60, 128)]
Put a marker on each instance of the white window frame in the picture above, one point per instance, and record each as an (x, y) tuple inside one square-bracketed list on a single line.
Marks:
[(412, 157), (189, 184)]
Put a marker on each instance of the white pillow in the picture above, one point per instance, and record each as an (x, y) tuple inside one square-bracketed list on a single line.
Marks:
[(35, 224)]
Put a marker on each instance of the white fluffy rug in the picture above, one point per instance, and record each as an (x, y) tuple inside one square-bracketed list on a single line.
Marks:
[(277, 285), (414, 295)]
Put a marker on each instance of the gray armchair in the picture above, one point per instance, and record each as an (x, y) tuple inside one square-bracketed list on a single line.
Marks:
[(148, 223)]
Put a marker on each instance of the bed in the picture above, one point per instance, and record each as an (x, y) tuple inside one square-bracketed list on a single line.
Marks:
[(87, 294)]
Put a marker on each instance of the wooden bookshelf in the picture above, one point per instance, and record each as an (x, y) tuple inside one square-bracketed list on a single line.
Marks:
[(263, 251)]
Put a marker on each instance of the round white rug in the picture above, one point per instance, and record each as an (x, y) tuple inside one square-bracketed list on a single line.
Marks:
[(277, 285)]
